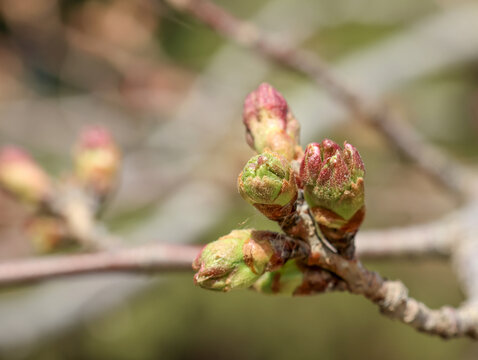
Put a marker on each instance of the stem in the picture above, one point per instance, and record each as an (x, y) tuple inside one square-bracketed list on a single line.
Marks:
[(154, 257)]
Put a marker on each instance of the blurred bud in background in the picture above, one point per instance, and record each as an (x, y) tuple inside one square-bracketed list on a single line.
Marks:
[(97, 160), (47, 233), (22, 177)]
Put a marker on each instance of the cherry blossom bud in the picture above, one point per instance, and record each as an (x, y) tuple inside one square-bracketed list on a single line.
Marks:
[(270, 124), (234, 261), (97, 160), (22, 177), (238, 259), (333, 183), (268, 183)]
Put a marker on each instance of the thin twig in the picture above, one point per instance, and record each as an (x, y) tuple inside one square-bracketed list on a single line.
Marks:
[(390, 296), (166, 257), (153, 257), (431, 239), (432, 161)]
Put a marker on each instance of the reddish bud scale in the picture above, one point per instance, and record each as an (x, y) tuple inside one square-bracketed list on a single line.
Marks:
[(265, 98), (332, 179)]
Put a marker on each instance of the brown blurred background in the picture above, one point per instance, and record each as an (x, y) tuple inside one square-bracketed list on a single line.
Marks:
[(171, 91)]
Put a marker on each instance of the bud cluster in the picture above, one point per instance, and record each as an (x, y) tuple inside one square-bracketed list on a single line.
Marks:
[(277, 181), (96, 160)]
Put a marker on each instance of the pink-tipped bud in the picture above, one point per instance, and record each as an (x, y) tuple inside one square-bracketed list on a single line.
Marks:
[(269, 122), (97, 160), (22, 177), (95, 137), (333, 181)]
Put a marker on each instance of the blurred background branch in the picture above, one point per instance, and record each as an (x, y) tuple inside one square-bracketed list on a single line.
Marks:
[(387, 122)]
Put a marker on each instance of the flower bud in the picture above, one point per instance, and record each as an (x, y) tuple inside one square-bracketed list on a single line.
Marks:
[(97, 160), (238, 259), (21, 176), (268, 183), (269, 123), (46, 233), (333, 183)]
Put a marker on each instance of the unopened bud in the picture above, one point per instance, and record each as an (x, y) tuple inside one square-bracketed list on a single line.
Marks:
[(47, 233), (333, 183), (268, 183), (238, 259), (97, 160), (22, 177), (269, 123)]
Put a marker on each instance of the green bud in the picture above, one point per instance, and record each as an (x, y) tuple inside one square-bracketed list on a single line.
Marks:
[(333, 182), (234, 261), (268, 183)]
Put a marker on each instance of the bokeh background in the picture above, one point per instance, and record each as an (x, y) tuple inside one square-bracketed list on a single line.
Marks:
[(171, 91)]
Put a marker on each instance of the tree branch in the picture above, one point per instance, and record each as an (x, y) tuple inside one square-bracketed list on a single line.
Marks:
[(390, 296), (432, 239), (432, 161), (154, 257), (393, 300)]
